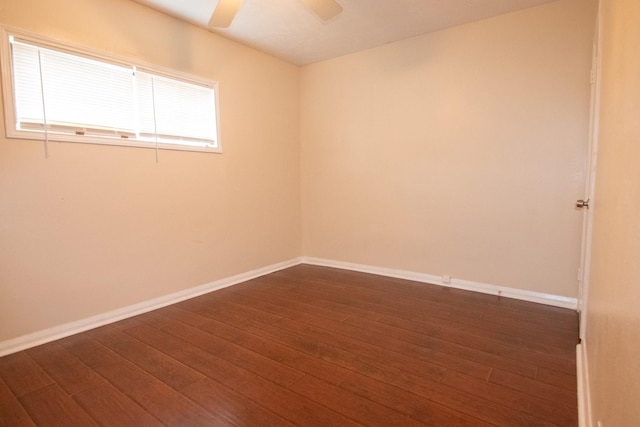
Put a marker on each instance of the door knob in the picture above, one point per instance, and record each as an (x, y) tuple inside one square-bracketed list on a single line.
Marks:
[(582, 204)]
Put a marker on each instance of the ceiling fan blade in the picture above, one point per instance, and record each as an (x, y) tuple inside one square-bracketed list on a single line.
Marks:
[(325, 9), (224, 12)]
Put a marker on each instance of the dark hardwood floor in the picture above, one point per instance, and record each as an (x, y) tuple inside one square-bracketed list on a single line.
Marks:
[(308, 346)]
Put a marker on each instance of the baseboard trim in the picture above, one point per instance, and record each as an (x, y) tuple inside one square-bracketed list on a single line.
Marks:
[(61, 331), (57, 332), (584, 396), (538, 297)]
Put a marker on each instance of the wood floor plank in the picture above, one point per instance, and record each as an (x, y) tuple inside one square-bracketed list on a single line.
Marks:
[(418, 361), (51, 406), (550, 411), (535, 388), (92, 353), (251, 361), (554, 337), (558, 379), (447, 332), (153, 318), (232, 313), (65, 368), (156, 397), (156, 363), (12, 413), (559, 326), (185, 316), (401, 400), (485, 331), (341, 357), (309, 346), (538, 342), (435, 345), (266, 303), (291, 406), (172, 407), (22, 374), (288, 356), (202, 361), (112, 408), (429, 353), (327, 311), (236, 409), (465, 402), (351, 405)]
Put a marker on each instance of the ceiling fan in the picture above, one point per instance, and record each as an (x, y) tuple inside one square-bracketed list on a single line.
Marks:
[(226, 10)]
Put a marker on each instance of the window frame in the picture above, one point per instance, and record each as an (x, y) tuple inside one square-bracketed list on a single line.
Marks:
[(6, 70)]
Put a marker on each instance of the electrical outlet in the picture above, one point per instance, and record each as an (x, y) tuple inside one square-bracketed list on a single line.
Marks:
[(446, 279)]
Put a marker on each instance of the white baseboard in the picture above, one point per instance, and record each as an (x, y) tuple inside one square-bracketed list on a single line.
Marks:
[(67, 329), (584, 396), (57, 332), (548, 299)]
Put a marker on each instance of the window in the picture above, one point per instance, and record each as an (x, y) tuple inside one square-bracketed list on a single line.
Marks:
[(56, 92)]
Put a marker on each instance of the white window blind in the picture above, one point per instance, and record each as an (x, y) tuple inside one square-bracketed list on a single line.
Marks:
[(79, 94), (182, 110), (60, 93)]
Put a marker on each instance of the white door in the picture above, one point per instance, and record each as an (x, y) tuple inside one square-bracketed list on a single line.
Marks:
[(589, 198)]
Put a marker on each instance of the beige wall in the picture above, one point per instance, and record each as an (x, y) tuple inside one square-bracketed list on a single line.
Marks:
[(96, 228), (613, 312), (460, 152)]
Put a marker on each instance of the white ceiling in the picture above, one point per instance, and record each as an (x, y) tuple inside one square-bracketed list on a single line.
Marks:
[(288, 30)]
